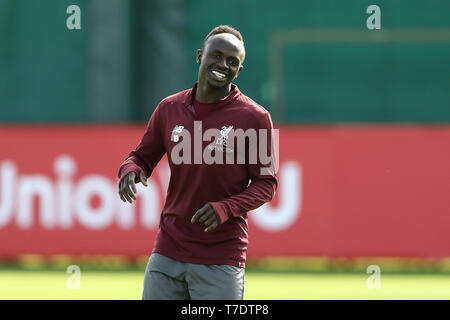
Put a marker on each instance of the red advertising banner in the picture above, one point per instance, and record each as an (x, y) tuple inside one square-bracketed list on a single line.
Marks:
[(343, 191)]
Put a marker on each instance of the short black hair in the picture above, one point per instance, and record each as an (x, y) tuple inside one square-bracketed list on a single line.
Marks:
[(223, 29)]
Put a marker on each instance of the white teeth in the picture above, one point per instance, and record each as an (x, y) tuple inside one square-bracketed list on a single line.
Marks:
[(219, 74)]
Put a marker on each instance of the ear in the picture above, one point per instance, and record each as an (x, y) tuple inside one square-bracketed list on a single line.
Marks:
[(199, 56), (240, 69)]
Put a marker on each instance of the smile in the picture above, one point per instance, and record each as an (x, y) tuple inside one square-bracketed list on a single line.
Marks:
[(218, 74)]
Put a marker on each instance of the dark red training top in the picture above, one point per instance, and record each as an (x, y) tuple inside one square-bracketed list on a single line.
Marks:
[(231, 189), (202, 109)]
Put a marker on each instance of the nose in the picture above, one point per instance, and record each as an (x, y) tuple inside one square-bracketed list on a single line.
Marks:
[(222, 63)]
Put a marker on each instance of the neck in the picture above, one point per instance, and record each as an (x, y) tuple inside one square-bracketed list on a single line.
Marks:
[(208, 94)]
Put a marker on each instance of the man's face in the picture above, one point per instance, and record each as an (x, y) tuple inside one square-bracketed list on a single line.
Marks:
[(221, 59)]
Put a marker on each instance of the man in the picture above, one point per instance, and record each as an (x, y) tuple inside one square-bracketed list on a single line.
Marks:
[(200, 249)]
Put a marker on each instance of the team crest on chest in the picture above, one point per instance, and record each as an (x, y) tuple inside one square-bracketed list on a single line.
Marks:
[(224, 135)]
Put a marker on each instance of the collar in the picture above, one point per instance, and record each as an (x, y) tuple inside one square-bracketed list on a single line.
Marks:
[(190, 95)]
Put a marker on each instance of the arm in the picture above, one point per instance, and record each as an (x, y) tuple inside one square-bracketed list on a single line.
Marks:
[(258, 192), (141, 162)]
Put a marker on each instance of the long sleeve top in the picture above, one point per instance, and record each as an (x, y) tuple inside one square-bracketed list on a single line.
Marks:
[(234, 183)]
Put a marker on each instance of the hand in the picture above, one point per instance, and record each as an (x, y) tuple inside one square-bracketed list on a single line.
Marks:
[(207, 216), (127, 186)]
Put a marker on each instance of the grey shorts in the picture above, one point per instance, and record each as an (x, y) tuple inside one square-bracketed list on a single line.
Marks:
[(168, 279)]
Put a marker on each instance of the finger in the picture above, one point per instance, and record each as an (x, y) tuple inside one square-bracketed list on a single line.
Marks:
[(143, 178), (127, 197), (210, 221), (121, 190), (121, 197), (132, 195), (198, 214), (127, 192), (211, 227), (124, 192), (124, 189), (129, 187), (131, 183), (121, 184), (205, 216), (195, 217)]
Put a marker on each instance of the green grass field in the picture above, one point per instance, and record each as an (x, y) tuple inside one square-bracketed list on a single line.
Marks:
[(110, 285)]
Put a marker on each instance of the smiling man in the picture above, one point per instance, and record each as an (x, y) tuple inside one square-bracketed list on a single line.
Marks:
[(200, 249)]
